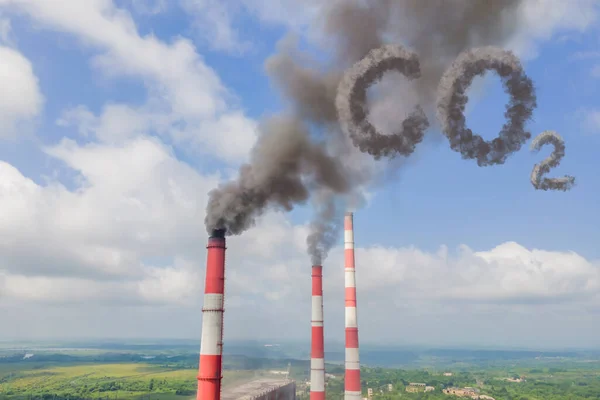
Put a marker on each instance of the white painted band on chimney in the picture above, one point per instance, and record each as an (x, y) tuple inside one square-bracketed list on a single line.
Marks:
[(348, 236), (349, 277), (212, 319), (351, 317), (352, 365), (317, 308), (317, 363), (317, 380), (352, 395), (352, 357), (316, 324)]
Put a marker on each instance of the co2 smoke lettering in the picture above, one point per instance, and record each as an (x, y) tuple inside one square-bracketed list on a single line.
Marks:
[(451, 102)]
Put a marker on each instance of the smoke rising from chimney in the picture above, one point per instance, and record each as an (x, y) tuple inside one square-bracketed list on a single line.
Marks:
[(324, 228), (304, 151)]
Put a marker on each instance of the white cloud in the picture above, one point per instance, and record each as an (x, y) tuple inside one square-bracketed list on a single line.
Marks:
[(544, 19), (230, 136), (21, 99), (138, 204), (117, 123), (183, 90), (133, 201), (214, 21), (121, 249), (178, 284)]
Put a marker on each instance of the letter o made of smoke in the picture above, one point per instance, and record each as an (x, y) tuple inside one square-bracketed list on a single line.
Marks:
[(451, 102), (351, 103)]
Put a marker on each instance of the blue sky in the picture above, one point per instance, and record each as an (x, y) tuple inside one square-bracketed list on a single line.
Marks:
[(436, 200), (439, 198)]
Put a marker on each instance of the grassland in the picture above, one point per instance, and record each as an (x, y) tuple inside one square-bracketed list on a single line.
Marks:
[(163, 372), (97, 381)]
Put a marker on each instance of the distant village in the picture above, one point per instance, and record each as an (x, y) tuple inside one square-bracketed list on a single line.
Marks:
[(416, 387), (470, 392)]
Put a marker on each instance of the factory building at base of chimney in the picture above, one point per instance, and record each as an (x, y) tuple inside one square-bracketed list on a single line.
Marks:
[(262, 389)]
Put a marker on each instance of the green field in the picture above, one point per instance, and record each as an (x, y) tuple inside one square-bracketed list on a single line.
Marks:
[(159, 371), (97, 381)]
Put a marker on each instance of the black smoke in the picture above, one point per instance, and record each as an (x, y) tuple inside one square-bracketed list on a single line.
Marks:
[(304, 151)]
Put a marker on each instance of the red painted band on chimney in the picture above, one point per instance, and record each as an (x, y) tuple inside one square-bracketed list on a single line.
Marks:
[(348, 223), (317, 348), (349, 258), (215, 273), (317, 280), (352, 380), (210, 367), (352, 338), (350, 297), (317, 395)]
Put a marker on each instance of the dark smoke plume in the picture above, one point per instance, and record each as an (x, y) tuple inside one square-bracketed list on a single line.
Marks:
[(283, 164), (539, 170), (305, 151), (324, 228), (452, 100)]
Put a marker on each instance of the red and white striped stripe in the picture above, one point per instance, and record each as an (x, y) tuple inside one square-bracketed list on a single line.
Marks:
[(352, 379), (211, 346), (317, 353)]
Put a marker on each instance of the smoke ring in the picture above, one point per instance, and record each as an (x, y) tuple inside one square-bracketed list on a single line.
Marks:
[(539, 170), (351, 103), (452, 100)]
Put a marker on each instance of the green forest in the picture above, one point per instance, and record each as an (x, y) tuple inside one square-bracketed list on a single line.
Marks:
[(544, 383)]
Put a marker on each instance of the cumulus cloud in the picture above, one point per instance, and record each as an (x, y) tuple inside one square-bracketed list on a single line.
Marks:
[(137, 204), (543, 19), (127, 199), (214, 21), (117, 246), (185, 93), (21, 99)]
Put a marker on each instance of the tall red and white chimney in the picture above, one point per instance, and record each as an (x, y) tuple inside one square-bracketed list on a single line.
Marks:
[(211, 346), (352, 379), (317, 353)]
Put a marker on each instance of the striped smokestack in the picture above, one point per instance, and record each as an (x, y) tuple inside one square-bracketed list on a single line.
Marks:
[(211, 346), (317, 353), (352, 380)]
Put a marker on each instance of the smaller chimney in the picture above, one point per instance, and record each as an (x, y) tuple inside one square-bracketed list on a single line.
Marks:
[(317, 353), (352, 378), (211, 346)]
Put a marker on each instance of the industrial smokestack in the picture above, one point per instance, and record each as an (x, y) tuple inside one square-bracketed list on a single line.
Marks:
[(352, 379), (211, 346), (317, 352)]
